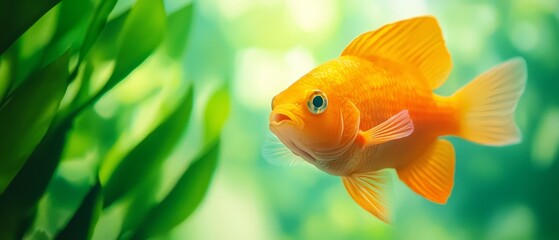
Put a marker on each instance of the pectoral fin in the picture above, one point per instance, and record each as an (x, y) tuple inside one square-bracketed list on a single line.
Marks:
[(278, 154), (371, 191), (396, 127), (432, 175)]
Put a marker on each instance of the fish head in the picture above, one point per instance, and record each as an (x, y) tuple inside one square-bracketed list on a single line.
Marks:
[(313, 121)]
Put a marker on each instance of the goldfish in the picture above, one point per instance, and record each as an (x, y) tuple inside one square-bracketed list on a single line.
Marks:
[(372, 110)]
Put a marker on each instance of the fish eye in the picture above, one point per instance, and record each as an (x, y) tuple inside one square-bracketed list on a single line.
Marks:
[(317, 102)]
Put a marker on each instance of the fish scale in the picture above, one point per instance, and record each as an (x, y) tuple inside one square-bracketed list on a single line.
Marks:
[(397, 90)]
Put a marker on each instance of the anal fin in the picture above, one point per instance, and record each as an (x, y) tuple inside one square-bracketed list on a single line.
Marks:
[(432, 175), (371, 191)]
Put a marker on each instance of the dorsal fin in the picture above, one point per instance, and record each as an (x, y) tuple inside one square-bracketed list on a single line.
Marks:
[(416, 42)]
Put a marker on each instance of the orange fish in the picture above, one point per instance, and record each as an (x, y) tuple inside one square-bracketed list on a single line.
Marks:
[(373, 108)]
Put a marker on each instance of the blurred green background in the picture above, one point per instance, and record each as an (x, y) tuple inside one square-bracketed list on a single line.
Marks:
[(136, 161)]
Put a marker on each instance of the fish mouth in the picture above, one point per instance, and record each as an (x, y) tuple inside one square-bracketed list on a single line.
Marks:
[(280, 117)]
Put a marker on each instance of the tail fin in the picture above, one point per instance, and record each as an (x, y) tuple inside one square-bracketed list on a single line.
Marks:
[(486, 105)]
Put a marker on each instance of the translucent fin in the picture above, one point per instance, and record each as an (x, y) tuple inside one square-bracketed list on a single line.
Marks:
[(372, 191), (432, 175), (396, 127), (416, 42), (486, 105), (278, 154)]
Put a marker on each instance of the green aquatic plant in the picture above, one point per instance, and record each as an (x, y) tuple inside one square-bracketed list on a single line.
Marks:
[(53, 72)]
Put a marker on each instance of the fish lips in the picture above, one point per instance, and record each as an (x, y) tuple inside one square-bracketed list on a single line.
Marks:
[(281, 116)]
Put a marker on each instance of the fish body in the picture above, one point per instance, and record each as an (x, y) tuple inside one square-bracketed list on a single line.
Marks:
[(380, 90), (373, 108)]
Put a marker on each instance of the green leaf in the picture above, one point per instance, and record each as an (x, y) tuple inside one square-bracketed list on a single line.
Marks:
[(17, 16), (85, 83), (103, 50), (216, 113), (141, 200), (178, 29), (82, 224), (94, 29), (27, 53), (96, 25), (191, 187), (184, 198), (146, 157), (4, 76), (142, 32), (71, 14), (18, 201), (39, 235), (106, 46), (71, 25), (27, 115)]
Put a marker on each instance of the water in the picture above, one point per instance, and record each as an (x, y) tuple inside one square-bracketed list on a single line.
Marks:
[(254, 49)]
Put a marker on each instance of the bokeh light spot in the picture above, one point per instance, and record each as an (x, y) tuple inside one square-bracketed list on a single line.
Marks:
[(269, 73), (546, 140), (514, 222), (313, 15), (524, 35)]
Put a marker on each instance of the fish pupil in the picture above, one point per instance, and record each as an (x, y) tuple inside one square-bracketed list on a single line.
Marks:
[(317, 101)]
